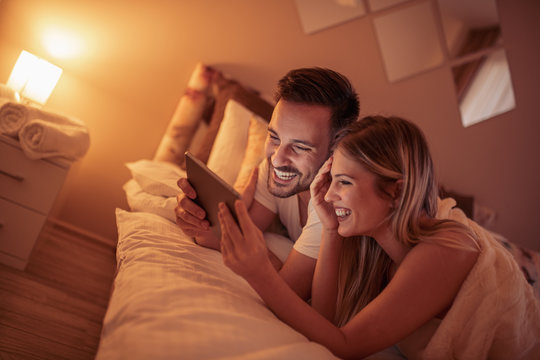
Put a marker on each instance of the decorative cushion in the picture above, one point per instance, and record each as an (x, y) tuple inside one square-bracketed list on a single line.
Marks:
[(224, 90), (527, 259), (254, 152), (192, 107)]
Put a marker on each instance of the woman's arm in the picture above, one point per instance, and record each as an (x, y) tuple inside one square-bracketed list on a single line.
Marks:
[(325, 280), (324, 289), (424, 285), (245, 253)]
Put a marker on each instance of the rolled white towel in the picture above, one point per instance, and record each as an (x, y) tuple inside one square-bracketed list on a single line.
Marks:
[(14, 115), (43, 139)]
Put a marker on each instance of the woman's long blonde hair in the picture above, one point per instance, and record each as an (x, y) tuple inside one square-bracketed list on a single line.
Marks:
[(392, 149)]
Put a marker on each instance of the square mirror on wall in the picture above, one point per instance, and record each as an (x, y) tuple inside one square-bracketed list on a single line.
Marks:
[(409, 41), (317, 15), (463, 35), (480, 69), (376, 5)]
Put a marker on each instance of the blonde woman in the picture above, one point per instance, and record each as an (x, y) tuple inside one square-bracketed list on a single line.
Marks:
[(389, 270)]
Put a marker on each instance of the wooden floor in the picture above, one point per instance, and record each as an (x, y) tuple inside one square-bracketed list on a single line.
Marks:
[(54, 309)]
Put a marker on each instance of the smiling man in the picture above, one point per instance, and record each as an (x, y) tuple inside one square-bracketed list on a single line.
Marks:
[(312, 105)]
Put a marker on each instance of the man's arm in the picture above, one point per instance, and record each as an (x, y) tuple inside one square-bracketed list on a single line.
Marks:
[(262, 217), (298, 269)]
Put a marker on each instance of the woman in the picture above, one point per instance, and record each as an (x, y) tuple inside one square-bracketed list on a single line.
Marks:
[(389, 272)]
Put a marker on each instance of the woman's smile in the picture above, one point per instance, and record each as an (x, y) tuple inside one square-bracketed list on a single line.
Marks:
[(342, 213)]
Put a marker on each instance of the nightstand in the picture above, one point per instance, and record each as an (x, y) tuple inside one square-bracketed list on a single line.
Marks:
[(28, 189)]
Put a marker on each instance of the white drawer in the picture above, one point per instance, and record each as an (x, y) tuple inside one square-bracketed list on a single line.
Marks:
[(32, 183), (19, 228)]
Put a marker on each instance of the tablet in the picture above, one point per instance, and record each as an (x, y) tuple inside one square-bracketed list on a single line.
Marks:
[(211, 190)]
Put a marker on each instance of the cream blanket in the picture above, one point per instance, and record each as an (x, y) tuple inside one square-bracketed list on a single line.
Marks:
[(495, 314)]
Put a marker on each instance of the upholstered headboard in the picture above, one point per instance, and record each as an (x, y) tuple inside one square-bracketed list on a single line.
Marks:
[(199, 113)]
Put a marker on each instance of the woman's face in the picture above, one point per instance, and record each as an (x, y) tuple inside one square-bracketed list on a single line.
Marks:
[(359, 206)]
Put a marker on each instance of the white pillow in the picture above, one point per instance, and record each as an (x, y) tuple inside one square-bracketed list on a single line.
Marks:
[(230, 144), (172, 298), (139, 200), (156, 177)]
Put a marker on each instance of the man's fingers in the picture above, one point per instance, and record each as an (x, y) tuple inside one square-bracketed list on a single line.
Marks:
[(190, 207), (186, 188), (199, 222)]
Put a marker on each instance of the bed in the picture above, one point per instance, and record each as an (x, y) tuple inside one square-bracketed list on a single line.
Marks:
[(174, 299)]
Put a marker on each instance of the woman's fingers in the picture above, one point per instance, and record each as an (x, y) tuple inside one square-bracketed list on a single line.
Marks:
[(243, 216), (229, 225), (225, 242), (251, 232), (321, 182)]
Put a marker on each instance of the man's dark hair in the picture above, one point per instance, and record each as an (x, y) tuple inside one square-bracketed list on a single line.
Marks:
[(319, 86)]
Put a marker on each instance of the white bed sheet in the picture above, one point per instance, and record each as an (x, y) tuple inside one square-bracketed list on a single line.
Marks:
[(174, 299)]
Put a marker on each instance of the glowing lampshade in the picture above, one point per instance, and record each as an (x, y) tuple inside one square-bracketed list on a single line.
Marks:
[(33, 78)]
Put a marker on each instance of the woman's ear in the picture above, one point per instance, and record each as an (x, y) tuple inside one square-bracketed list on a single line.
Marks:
[(395, 189)]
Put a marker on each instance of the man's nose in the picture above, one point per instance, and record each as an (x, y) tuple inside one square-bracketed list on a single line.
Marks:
[(280, 157)]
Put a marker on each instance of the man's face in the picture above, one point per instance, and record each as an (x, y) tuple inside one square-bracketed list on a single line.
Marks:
[(297, 144)]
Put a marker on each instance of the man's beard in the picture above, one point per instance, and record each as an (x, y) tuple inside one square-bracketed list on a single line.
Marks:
[(299, 184)]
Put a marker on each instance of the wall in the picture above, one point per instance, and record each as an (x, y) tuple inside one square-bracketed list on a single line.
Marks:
[(136, 57)]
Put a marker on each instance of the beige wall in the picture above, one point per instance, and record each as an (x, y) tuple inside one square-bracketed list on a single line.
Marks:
[(136, 58)]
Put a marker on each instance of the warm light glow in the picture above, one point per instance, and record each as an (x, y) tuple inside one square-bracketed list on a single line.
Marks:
[(33, 78), (61, 44)]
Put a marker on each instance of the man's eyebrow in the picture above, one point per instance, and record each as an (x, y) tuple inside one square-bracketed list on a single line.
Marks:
[(296, 141), (304, 142)]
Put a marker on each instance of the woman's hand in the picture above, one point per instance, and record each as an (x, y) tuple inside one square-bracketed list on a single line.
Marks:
[(244, 249), (319, 187)]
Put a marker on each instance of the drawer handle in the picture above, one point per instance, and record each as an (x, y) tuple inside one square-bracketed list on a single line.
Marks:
[(13, 176)]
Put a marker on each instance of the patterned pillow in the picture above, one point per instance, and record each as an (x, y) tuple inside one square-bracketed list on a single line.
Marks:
[(191, 109), (528, 261), (254, 153)]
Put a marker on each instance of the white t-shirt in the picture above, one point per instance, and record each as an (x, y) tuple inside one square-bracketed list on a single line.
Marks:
[(306, 240)]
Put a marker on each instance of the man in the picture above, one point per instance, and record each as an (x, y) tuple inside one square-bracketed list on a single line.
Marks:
[(312, 105)]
